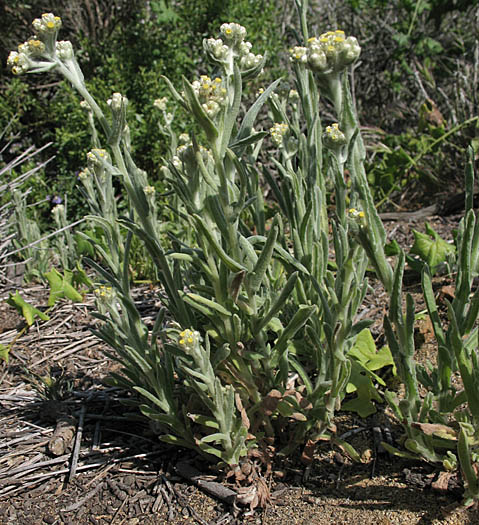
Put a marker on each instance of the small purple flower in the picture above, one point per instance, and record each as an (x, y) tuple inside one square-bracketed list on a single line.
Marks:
[(57, 200)]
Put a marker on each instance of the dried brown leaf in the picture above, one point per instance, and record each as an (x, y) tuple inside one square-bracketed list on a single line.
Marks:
[(270, 402), (244, 416)]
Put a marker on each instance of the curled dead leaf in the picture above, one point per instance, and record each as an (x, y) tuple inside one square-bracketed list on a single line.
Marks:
[(244, 416), (270, 402), (442, 482), (436, 429), (308, 452)]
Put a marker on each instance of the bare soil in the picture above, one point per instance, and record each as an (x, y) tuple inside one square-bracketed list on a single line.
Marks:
[(113, 469)]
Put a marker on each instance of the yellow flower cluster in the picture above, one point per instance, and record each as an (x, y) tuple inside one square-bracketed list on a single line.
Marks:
[(356, 214), (278, 131), (48, 23), (334, 136), (328, 53), (232, 45), (188, 339), (32, 47), (233, 31), (103, 292), (96, 156), (211, 94), (37, 53)]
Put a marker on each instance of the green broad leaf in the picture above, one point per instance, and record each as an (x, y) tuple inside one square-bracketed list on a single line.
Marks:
[(153, 414), (83, 245), (233, 265), (180, 257), (61, 287), (361, 383), (275, 325), (278, 304), (299, 319), (221, 354), (364, 351), (80, 277), (208, 449), (256, 276), (365, 359), (392, 248), (4, 351), (151, 397), (347, 448), (430, 248), (28, 311), (421, 450)]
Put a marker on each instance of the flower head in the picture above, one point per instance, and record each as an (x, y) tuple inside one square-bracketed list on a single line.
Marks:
[(233, 32), (85, 174), (117, 102), (331, 52), (58, 209), (64, 50), (18, 62), (47, 24), (334, 137), (298, 54), (211, 94), (96, 157), (104, 293), (189, 339), (32, 47), (232, 46), (217, 49), (160, 103), (278, 131), (356, 214)]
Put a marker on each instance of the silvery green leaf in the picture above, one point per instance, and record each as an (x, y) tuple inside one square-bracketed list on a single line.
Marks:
[(278, 304), (249, 140), (250, 117), (255, 278), (177, 97), (210, 304), (232, 111), (299, 319), (214, 244)]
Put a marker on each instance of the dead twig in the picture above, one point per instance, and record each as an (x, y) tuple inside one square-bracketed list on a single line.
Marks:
[(82, 501), (76, 448), (213, 488)]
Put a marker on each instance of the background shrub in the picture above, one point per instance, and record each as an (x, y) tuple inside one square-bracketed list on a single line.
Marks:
[(416, 89), (125, 47)]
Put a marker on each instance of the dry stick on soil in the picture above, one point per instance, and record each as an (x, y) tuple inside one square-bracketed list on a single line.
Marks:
[(213, 488), (79, 503), (68, 350), (38, 478), (62, 437), (76, 448)]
